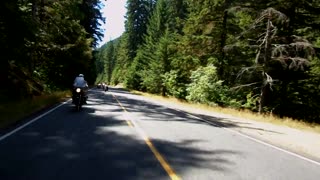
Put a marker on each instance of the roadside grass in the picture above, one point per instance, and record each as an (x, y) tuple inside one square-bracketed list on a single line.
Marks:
[(269, 118), (12, 112)]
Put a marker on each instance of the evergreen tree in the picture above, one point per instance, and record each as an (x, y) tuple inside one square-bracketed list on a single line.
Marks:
[(91, 19), (138, 13), (263, 58), (52, 46)]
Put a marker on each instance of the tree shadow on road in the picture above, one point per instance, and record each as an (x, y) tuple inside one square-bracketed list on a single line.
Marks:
[(89, 145), (161, 113)]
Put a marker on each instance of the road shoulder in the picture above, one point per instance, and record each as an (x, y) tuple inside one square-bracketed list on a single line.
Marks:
[(302, 142)]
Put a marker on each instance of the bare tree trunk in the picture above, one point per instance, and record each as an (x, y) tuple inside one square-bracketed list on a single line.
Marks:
[(267, 57), (265, 90), (267, 45), (284, 97), (223, 38), (163, 91), (41, 16), (34, 9), (34, 50)]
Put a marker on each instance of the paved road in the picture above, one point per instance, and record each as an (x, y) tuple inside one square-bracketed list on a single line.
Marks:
[(122, 136)]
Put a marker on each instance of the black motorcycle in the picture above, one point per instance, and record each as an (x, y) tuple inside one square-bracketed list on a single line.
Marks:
[(78, 98)]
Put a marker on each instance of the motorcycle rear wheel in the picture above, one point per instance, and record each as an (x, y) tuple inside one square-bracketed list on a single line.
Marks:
[(79, 103)]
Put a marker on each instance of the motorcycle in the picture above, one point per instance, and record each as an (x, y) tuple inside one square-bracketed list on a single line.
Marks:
[(78, 98), (105, 87)]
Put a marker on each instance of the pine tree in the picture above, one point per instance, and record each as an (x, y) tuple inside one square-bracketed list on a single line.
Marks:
[(138, 13)]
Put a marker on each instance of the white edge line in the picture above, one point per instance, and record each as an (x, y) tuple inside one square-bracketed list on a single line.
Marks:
[(245, 136), (256, 140), (31, 121)]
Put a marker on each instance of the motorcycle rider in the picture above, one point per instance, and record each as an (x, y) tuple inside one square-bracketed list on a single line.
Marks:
[(80, 82), (105, 86)]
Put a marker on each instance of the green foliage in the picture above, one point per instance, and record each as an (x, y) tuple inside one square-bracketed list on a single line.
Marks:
[(206, 88), (133, 77), (173, 82), (251, 101), (138, 13), (158, 65), (46, 44), (121, 60), (90, 18), (117, 76), (153, 56), (263, 54)]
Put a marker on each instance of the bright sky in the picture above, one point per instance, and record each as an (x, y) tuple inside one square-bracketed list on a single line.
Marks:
[(114, 12)]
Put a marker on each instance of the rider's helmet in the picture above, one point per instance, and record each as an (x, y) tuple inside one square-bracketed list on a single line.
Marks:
[(81, 75)]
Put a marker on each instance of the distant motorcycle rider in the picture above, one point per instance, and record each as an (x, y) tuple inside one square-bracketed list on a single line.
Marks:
[(80, 82), (105, 86)]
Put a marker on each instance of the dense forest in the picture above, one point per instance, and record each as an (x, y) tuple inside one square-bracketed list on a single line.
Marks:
[(45, 44), (260, 55)]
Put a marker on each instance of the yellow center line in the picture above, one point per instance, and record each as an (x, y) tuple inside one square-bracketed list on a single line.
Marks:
[(154, 150), (129, 123), (124, 109), (162, 161)]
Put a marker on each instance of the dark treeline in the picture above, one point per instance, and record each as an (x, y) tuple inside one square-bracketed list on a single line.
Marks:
[(261, 55), (46, 43)]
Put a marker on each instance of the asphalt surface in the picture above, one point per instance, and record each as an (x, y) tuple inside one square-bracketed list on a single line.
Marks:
[(118, 135)]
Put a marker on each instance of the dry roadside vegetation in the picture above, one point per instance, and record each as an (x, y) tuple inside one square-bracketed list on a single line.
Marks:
[(269, 118), (12, 112)]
